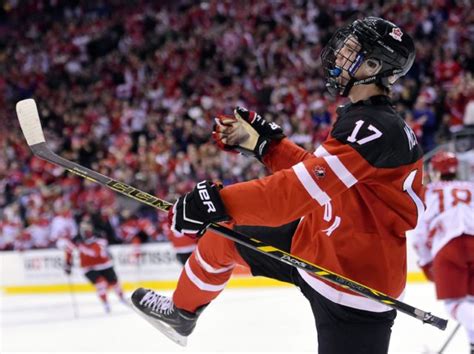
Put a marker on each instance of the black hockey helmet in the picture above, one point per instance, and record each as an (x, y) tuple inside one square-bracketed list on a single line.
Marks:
[(374, 39)]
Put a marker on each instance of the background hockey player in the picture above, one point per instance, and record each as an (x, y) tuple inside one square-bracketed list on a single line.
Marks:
[(95, 261), (444, 240), (355, 197), (183, 245)]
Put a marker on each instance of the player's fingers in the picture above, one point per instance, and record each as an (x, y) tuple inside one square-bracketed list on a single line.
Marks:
[(222, 120), (236, 136)]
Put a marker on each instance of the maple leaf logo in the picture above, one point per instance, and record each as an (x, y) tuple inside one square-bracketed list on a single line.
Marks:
[(396, 34), (320, 172)]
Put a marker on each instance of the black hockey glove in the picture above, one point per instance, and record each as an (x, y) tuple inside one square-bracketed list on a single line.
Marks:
[(193, 212), (247, 132)]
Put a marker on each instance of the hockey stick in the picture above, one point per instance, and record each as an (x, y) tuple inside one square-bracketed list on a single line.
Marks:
[(31, 127), (448, 340), (73, 296)]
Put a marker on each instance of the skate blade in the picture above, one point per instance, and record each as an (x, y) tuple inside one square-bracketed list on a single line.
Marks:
[(164, 328)]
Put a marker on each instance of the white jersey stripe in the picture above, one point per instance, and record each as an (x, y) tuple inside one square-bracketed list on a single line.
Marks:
[(310, 185), (207, 267), (336, 166), (321, 151), (407, 187), (184, 249), (199, 283)]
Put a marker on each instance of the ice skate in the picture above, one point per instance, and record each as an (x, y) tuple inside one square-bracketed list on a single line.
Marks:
[(160, 311)]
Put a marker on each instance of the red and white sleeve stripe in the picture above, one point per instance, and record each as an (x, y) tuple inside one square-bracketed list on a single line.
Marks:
[(310, 184), (291, 193), (335, 168)]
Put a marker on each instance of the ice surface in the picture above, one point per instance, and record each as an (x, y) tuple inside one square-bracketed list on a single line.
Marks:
[(239, 320)]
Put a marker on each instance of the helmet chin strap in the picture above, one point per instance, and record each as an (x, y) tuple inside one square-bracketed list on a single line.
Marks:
[(353, 82), (367, 81), (376, 78)]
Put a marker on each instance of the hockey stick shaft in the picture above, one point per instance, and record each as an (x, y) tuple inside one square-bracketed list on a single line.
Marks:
[(73, 296), (448, 340), (31, 126)]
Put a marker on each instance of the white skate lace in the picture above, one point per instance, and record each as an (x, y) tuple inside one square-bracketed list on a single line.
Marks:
[(157, 303)]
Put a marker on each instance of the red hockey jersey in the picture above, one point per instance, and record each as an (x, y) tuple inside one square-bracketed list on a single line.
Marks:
[(93, 254), (130, 229), (181, 243), (356, 196)]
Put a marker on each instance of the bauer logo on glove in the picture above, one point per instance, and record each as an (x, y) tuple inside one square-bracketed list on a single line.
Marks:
[(196, 210), (206, 199)]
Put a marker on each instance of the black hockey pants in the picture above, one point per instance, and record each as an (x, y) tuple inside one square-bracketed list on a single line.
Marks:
[(340, 329)]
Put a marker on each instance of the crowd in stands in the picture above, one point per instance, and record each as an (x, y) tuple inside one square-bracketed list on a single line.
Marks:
[(130, 89)]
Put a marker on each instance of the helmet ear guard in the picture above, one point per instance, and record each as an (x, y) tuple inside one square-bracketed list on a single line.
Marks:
[(372, 66)]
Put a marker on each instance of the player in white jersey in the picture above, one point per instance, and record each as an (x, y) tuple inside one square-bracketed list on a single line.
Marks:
[(444, 240)]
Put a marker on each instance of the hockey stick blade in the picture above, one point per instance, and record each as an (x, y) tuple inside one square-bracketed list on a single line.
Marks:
[(163, 328), (31, 126), (30, 120)]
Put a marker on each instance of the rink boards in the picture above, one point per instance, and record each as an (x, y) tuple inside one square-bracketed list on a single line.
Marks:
[(41, 271)]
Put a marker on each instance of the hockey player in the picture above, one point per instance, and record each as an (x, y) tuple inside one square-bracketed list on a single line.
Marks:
[(354, 197), (444, 240), (183, 245), (95, 262)]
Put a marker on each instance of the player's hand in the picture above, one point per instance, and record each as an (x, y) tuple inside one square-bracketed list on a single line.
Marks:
[(246, 132), (193, 212)]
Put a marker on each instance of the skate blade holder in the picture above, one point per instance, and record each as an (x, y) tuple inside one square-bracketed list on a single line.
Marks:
[(164, 328)]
